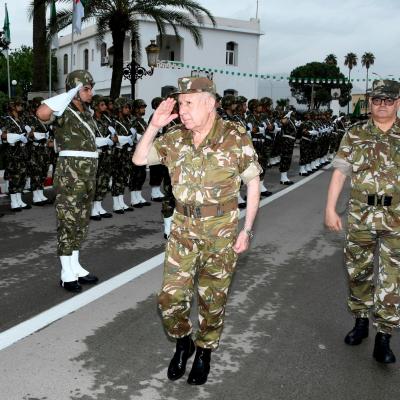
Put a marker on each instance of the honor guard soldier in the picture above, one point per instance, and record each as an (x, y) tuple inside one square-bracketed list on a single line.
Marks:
[(207, 158), (369, 154), (75, 175)]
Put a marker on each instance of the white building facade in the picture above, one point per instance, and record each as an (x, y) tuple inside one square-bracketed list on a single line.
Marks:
[(230, 54)]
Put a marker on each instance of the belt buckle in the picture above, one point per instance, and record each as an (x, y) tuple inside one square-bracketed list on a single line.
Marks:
[(197, 212)]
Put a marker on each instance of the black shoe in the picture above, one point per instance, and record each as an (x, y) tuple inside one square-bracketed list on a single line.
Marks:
[(266, 193), (358, 333), (304, 173), (184, 350), (106, 215), (129, 209), (201, 367), (157, 199), (95, 217), (16, 209), (88, 279), (145, 203), (73, 286), (39, 203), (137, 205), (242, 205), (165, 236), (287, 183), (382, 351), (120, 211), (26, 207)]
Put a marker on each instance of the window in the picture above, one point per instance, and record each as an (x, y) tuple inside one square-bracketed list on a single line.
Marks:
[(103, 54), (86, 59), (171, 48), (230, 92), (65, 63), (167, 90), (231, 53)]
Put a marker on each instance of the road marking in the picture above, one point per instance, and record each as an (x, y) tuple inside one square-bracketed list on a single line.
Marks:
[(32, 325)]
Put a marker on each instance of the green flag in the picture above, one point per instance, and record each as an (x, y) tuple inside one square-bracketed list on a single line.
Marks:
[(6, 27), (357, 109)]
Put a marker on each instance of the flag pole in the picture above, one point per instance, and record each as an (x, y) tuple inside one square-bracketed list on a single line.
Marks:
[(50, 70), (72, 32), (8, 75)]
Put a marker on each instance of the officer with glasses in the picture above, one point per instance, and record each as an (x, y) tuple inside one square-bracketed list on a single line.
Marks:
[(369, 155)]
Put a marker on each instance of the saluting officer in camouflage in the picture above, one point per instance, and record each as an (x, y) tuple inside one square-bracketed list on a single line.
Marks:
[(206, 157), (75, 175), (16, 137), (39, 158), (369, 154), (104, 145)]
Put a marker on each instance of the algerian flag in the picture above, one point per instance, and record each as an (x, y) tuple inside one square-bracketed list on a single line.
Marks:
[(53, 18), (357, 109), (79, 13), (6, 27)]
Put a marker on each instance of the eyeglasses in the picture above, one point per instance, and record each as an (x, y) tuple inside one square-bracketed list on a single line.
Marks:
[(377, 101)]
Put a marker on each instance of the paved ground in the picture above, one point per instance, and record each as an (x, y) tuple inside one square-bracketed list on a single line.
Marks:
[(285, 323)]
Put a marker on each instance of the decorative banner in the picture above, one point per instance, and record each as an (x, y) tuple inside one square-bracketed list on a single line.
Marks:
[(308, 80)]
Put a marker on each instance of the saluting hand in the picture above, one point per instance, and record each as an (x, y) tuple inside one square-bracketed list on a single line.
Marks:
[(163, 114)]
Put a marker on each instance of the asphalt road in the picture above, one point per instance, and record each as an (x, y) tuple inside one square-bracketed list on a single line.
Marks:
[(285, 323)]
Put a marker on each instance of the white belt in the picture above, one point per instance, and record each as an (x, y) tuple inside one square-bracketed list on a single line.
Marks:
[(78, 153), (268, 137), (257, 140), (308, 139), (291, 137)]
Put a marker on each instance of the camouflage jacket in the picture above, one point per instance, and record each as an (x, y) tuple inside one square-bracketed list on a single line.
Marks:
[(373, 159), (71, 134), (102, 125), (210, 174)]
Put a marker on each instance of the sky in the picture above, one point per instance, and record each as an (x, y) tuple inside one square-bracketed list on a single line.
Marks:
[(295, 32)]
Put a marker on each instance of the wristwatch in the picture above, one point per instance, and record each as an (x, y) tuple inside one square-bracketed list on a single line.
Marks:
[(249, 233)]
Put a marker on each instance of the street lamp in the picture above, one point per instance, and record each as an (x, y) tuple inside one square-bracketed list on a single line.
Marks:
[(133, 71), (13, 87)]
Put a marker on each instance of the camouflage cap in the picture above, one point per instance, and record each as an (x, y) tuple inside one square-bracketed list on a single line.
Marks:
[(78, 76), (156, 102), (385, 88), (253, 104), (241, 100), (192, 84), (97, 99), (139, 103), (120, 102), (228, 100)]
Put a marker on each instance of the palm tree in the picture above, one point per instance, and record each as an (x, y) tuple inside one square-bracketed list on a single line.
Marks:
[(122, 17), (367, 60), (37, 12), (350, 60), (331, 59)]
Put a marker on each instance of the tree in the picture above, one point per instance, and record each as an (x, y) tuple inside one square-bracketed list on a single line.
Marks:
[(331, 59), (37, 12), (122, 17), (367, 60), (321, 78), (350, 60)]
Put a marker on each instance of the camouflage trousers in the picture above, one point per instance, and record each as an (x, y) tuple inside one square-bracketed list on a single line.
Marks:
[(137, 177), (157, 174), (117, 171), (168, 203), (287, 146), (103, 175), (16, 168), (38, 166), (193, 256), (368, 293), (74, 184), (305, 152)]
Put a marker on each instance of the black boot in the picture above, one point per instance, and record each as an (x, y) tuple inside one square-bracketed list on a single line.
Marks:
[(184, 350), (382, 351), (201, 367), (358, 333)]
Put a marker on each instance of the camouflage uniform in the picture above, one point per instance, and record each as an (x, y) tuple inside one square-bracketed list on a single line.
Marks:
[(202, 178), (288, 140), (75, 178), (372, 159)]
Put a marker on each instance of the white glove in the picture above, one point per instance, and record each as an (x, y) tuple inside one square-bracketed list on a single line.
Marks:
[(23, 139), (28, 129), (288, 114), (40, 135), (112, 130), (60, 102), (133, 131), (250, 126), (138, 136), (122, 140), (14, 138), (101, 142), (261, 130)]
